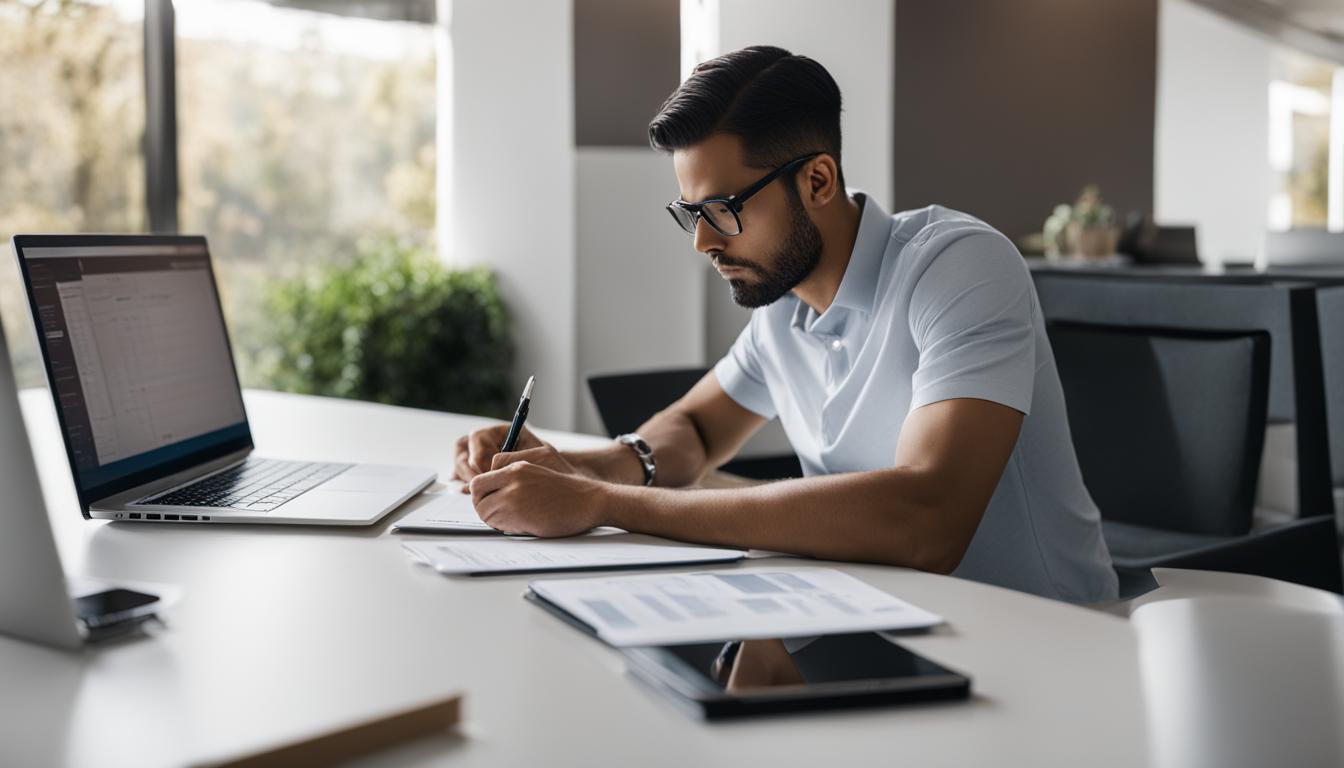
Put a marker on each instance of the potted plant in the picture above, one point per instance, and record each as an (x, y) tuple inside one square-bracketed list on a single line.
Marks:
[(1087, 229), (395, 326)]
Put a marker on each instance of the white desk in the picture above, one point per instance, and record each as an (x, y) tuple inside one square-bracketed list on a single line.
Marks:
[(287, 631)]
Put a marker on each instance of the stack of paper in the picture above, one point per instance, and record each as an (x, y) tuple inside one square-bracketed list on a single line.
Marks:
[(673, 608)]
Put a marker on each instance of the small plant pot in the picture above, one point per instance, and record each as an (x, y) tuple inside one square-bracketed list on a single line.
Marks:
[(1092, 242)]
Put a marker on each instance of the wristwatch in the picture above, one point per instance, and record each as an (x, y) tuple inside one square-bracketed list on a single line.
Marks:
[(644, 452)]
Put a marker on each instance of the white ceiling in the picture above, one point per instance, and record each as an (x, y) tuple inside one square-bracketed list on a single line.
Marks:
[(390, 10), (1313, 26)]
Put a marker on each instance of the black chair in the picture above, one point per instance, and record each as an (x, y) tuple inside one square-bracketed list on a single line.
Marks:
[(1329, 282), (1331, 307), (1200, 337), (1149, 243), (626, 400), (1304, 248)]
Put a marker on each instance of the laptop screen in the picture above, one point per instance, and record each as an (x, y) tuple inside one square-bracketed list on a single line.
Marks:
[(137, 355)]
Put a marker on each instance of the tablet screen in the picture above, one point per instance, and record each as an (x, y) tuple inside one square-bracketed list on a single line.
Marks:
[(751, 665)]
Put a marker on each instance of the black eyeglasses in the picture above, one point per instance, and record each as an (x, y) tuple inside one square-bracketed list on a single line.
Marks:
[(721, 213)]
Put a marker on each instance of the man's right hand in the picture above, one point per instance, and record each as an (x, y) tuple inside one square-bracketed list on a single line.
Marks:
[(478, 453)]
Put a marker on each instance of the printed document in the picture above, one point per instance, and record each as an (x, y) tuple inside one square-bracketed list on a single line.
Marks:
[(449, 511), (711, 606), (521, 555)]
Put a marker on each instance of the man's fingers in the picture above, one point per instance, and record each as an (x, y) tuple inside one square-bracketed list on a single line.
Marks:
[(534, 455), (487, 508), (477, 454), (490, 509), (487, 483), (483, 444)]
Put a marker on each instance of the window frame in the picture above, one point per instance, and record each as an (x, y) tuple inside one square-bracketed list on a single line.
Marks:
[(162, 182)]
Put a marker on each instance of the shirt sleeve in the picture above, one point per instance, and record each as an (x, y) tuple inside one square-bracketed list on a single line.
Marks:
[(971, 319), (742, 376)]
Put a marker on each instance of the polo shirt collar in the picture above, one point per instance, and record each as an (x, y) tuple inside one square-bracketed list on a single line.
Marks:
[(858, 287)]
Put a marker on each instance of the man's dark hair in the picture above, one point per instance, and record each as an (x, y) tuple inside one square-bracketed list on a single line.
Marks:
[(780, 105)]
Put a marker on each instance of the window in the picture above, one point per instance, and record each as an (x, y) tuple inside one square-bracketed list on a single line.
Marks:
[(1306, 143), (73, 79), (303, 127), (300, 133)]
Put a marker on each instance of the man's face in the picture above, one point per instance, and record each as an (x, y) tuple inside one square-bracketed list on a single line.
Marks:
[(779, 245)]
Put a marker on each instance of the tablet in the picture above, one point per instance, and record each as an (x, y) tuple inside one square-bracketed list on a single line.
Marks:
[(757, 677)]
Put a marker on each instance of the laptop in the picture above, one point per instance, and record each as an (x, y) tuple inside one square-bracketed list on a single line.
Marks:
[(138, 361), (36, 601)]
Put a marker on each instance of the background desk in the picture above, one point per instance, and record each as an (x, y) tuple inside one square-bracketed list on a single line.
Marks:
[(286, 631)]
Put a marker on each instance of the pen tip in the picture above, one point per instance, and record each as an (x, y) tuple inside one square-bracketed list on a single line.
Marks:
[(527, 391)]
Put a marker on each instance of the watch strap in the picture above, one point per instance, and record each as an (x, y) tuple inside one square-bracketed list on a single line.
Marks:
[(644, 452)]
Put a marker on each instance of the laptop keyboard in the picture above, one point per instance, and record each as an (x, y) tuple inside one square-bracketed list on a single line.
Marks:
[(256, 485)]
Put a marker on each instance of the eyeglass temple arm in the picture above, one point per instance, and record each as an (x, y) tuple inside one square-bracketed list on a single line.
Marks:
[(739, 199)]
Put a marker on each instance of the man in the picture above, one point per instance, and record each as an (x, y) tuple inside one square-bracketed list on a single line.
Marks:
[(905, 356)]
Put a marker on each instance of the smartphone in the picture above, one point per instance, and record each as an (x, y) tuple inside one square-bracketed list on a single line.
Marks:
[(105, 609)]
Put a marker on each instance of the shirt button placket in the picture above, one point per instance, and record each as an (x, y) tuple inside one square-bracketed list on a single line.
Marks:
[(831, 370), (837, 364)]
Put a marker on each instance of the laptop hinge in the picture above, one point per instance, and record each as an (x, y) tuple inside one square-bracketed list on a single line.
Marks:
[(175, 480)]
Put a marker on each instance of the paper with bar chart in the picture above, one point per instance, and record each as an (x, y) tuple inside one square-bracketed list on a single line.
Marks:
[(674, 608)]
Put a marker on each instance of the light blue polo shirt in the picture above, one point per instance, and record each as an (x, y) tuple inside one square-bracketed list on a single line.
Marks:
[(934, 305)]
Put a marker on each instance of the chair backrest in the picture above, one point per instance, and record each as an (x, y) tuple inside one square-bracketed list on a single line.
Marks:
[(1286, 310), (626, 400), (1168, 425), (1304, 247), (1167, 245), (1331, 306)]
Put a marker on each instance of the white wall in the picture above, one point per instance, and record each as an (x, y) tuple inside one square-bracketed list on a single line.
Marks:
[(642, 288), (1210, 161), (853, 39), (641, 298), (596, 278), (513, 180)]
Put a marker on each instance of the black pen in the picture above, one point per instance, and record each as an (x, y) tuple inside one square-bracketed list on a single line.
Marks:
[(519, 416)]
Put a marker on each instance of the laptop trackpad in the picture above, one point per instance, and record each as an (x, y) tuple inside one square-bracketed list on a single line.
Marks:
[(366, 477)]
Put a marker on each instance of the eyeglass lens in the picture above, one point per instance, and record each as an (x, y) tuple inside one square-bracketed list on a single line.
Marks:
[(717, 214)]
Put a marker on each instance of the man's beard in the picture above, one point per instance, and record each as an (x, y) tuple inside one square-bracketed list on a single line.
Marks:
[(792, 263)]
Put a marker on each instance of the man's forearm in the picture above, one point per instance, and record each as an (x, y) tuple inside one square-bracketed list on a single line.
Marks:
[(886, 516), (677, 449), (614, 463)]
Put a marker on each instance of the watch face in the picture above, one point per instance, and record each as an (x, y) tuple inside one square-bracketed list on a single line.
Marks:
[(636, 442)]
